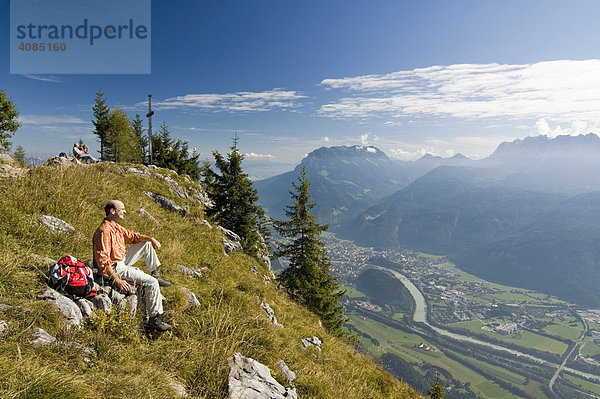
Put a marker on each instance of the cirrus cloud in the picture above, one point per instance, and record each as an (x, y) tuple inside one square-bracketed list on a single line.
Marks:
[(563, 90), (234, 102)]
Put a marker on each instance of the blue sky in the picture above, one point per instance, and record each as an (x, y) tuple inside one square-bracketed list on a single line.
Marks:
[(410, 77)]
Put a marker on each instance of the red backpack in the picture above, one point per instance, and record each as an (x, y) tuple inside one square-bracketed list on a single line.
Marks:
[(72, 277)]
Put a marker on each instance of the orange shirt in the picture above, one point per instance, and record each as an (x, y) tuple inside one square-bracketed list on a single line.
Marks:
[(109, 243)]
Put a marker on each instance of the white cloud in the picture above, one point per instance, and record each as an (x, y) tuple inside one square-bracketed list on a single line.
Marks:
[(371, 150), (325, 139), (542, 126), (562, 90), (50, 79), (399, 153), (364, 138), (254, 156), (577, 127), (234, 102), (51, 120)]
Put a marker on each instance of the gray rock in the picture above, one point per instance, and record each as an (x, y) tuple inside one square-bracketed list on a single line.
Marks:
[(144, 213), (285, 371), (138, 171), (167, 203), (60, 161), (205, 222), (254, 270), (3, 327), (6, 158), (178, 389), (57, 225), (263, 252), (130, 304), (193, 272), (102, 302), (271, 313), (248, 379), (311, 341), (64, 305), (9, 171), (41, 337), (191, 297), (201, 197), (44, 259), (266, 279), (173, 185), (231, 246), (85, 306), (116, 297), (229, 234)]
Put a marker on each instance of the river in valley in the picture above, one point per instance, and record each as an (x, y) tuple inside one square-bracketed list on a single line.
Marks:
[(420, 316)]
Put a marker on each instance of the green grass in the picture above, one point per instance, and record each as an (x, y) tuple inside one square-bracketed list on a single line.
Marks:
[(593, 326), (352, 292), (499, 372), (570, 328), (589, 348), (127, 364), (583, 384), (523, 338)]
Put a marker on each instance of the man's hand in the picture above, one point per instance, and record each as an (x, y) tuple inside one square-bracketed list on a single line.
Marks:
[(122, 285), (155, 243)]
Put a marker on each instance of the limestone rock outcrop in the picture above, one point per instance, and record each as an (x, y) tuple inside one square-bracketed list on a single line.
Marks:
[(56, 225), (64, 305), (270, 313), (249, 379)]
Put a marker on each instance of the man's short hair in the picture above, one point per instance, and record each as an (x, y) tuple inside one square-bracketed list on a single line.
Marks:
[(109, 205)]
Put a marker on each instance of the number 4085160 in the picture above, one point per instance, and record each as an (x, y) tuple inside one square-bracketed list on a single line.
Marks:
[(43, 46)]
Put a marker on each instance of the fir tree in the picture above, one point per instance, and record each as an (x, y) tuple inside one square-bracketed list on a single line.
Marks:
[(437, 391), (19, 156), (138, 131), (307, 280), (101, 123), (9, 121), (235, 200), (174, 154)]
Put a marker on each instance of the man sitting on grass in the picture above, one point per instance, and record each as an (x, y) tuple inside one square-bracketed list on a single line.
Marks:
[(114, 260)]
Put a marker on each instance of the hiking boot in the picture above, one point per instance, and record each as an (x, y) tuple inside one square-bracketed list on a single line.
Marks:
[(161, 282), (155, 323)]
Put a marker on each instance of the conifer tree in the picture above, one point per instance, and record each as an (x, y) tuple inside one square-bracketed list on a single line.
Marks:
[(307, 280), (174, 154), (437, 391), (138, 131), (19, 156), (101, 123), (235, 200)]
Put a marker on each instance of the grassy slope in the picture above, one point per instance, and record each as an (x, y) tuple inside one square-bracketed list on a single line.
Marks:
[(127, 364)]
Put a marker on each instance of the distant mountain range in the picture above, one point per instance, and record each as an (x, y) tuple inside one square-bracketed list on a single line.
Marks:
[(528, 215), (346, 180)]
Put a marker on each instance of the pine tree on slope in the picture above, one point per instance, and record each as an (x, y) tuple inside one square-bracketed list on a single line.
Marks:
[(235, 200), (307, 279), (437, 391)]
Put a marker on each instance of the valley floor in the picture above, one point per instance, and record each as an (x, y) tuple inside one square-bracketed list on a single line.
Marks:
[(525, 322)]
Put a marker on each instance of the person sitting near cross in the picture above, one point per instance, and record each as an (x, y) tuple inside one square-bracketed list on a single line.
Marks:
[(116, 261)]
